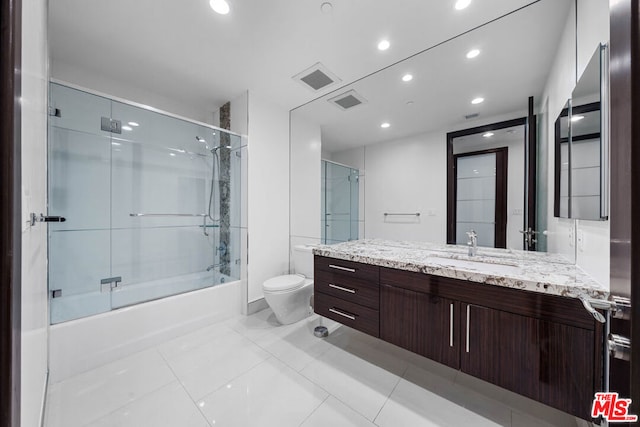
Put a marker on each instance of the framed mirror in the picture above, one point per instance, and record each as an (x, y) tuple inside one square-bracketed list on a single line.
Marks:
[(581, 146)]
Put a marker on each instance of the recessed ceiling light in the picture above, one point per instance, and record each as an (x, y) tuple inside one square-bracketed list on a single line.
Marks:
[(219, 6), (384, 45), (407, 78), (462, 4), (116, 143), (477, 100), (576, 118), (127, 128), (134, 124), (488, 134), (172, 154), (473, 53), (385, 125)]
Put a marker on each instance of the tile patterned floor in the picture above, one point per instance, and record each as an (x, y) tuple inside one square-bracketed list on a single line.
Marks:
[(250, 371)]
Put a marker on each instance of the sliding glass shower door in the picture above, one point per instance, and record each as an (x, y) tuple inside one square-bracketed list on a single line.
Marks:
[(147, 199)]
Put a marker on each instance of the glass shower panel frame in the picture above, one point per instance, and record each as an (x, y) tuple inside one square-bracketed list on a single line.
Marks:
[(78, 186)]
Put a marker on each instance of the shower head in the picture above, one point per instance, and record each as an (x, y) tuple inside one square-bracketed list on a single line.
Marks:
[(202, 140)]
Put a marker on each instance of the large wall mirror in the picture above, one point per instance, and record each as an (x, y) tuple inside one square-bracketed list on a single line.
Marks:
[(395, 126), (581, 146)]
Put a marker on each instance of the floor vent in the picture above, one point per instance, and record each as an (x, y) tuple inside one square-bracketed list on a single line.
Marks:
[(316, 77), (348, 100)]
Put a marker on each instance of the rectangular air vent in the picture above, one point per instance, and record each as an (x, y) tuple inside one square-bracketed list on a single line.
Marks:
[(316, 77), (348, 100), (471, 116)]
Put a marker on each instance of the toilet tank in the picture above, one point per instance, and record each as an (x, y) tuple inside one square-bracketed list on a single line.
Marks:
[(303, 259)]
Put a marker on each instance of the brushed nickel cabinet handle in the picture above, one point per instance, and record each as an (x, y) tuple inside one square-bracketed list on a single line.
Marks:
[(337, 267), (468, 315), (339, 313), (340, 288), (451, 325)]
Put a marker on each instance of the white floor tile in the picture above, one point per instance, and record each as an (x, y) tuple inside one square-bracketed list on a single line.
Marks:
[(295, 344), (205, 368), (411, 405), (91, 395), (255, 325), (361, 385), (271, 394), (542, 413), (185, 343), (519, 419), (168, 407), (379, 353), (335, 413)]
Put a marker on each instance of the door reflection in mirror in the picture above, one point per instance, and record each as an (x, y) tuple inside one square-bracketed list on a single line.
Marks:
[(488, 185)]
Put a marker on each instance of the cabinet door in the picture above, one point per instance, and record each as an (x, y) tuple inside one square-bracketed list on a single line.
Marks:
[(422, 323), (501, 348), (567, 368)]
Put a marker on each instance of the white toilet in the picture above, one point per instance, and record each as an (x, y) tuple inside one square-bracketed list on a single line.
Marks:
[(289, 295)]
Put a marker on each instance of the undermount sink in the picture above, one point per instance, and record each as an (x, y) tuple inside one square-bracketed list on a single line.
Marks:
[(479, 266)]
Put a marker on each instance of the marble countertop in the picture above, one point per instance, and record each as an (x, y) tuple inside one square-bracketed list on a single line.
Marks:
[(532, 271)]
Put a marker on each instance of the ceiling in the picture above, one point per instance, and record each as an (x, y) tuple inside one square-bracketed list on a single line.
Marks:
[(182, 50), (516, 54)]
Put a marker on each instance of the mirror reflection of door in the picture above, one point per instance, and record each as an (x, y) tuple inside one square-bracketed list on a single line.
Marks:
[(487, 181), (481, 196)]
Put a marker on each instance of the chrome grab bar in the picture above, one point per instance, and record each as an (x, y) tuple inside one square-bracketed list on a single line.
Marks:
[(333, 310), (401, 214), (160, 214)]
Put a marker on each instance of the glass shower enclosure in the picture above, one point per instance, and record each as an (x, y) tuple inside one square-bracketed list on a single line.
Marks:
[(340, 198), (151, 204)]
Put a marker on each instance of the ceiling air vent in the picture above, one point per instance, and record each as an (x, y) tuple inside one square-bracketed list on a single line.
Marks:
[(471, 116), (316, 77), (348, 100)]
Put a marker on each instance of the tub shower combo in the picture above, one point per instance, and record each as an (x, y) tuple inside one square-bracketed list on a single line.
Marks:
[(151, 204)]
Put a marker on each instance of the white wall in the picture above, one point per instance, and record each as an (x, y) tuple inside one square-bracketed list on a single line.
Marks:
[(268, 193), (305, 181), (35, 315), (407, 176), (592, 252)]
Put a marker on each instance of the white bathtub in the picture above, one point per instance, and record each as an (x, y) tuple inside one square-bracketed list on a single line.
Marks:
[(83, 344)]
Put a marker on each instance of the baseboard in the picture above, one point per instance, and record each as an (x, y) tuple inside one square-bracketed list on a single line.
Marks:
[(256, 306)]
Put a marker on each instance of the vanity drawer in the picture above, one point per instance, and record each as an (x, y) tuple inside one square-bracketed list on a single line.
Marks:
[(347, 268), (349, 314), (349, 289)]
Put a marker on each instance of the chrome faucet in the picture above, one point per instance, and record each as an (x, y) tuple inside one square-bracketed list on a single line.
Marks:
[(212, 266), (473, 242)]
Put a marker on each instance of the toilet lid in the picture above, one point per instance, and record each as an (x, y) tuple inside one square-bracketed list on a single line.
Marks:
[(288, 282)]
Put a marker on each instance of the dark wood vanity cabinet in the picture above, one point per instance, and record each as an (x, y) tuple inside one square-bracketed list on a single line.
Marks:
[(545, 347), (500, 348), (348, 292), (422, 323)]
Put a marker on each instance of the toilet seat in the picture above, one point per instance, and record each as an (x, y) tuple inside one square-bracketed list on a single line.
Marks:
[(284, 283)]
